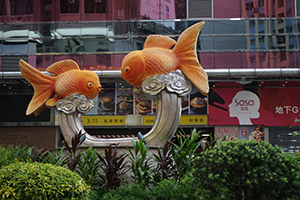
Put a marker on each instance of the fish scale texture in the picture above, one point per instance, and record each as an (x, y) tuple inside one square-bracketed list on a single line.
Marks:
[(159, 61), (61, 88)]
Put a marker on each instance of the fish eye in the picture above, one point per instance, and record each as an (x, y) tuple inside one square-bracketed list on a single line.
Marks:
[(90, 85), (127, 69)]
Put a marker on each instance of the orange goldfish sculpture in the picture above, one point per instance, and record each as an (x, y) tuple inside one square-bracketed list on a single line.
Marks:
[(157, 58), (69, 79)]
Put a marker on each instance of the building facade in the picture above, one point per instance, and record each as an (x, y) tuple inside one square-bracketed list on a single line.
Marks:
[(249, 48)]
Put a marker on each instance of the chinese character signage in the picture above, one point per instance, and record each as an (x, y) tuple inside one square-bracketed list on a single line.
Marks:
[(184, 120), (241, 132), (103, 120), (267, 106), (230, 132)]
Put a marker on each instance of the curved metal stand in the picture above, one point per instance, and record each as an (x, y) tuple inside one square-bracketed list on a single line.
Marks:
[(69, 114), (166, 90)]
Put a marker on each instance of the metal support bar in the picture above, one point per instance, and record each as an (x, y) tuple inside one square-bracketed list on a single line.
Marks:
[(212, 73)]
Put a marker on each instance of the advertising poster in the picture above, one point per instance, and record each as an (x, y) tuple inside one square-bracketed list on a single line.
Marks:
[(124, 101), (251, 132), (143, 106), (106, 99), (116, 100), (198, 102), (255, 106)]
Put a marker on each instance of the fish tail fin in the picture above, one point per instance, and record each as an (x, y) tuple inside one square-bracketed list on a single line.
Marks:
[(42, 85), (185, 50)]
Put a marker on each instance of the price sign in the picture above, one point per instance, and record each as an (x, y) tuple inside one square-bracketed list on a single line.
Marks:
[(103, 120)]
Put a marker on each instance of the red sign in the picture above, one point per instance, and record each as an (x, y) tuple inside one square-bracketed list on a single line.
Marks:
[(267, 106), (244, 132)]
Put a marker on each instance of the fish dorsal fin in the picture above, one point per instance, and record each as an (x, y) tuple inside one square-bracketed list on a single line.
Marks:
[(62, 66), (160, 41)]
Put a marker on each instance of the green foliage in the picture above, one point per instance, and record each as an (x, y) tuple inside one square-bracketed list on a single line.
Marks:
[(245, 170), (11, 154), (56, 157), (134, 191), (36, 155), (184, 152), (171, 189), (165, 190), (29, 181), (96, 194), (88, 167), (113, 167), (140, 163)]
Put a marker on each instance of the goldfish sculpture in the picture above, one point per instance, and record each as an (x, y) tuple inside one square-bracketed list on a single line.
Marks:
[(69, 79), (158, 57)]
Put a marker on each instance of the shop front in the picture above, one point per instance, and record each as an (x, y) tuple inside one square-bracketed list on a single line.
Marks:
[(268, 110)]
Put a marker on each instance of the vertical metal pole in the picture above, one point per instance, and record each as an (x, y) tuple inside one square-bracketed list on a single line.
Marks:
[(295, 5), (212, 8), (187, 9)]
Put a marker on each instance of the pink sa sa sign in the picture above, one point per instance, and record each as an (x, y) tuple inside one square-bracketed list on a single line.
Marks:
[(267, 106)]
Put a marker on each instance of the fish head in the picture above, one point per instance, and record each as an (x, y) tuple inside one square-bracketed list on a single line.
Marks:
[(88, 84), (133, 68)]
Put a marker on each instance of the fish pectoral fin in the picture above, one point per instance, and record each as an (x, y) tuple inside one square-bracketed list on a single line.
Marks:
[(38, 100), (52, 102), (159, 41), (39, 110), (62, 66), (196, 74)]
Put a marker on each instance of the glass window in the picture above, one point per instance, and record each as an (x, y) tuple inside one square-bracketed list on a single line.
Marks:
[(280, 20), (180, 9), (95, 6), (21, 7), (249, 6), (280, 3), (198, 9), (2, 7), (69, 6), (298, 7)]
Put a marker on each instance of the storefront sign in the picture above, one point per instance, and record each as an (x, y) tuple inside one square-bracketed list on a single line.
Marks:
[(267, 106), (230, 132), (103, 120), (184, 120)]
